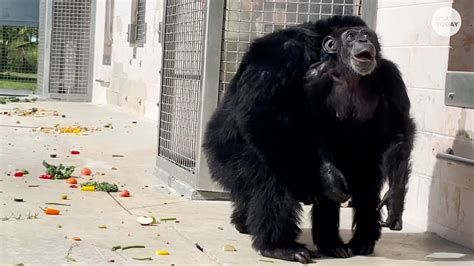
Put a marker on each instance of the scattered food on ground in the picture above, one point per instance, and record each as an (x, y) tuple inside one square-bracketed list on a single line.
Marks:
[(113, 168), (102, 226), (51, 211), (87, 188), (60, 226), (75, 152), (18, 199), (124, 193), (86, 171), (146, 220), (19, 174), (64, 196), (108, 125), (146, 258), (117, 155), (114, 248), (73, 186), (53, 155), (57, 203), (9, 99), (46, 176), (220, 228), (161, 252), (18, 217), (58, 172), (69, 252), (33, 185), (168, 219), (71, 181), (74, 129), (76, 238), (228, 248), (101, 186)]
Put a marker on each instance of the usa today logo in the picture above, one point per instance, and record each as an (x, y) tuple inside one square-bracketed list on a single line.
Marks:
[(446, 21)]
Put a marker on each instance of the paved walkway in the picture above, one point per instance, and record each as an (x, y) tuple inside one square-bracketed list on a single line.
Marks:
[(48, 239)]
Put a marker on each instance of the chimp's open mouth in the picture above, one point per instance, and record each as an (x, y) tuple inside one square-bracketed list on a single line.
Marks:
[(364, 56)]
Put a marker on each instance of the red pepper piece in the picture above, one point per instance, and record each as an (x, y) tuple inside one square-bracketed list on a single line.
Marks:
[(75, 152), (19, 174), (46, 176)]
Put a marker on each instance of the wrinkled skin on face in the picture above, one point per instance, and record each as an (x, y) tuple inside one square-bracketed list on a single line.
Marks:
[(357, 48)]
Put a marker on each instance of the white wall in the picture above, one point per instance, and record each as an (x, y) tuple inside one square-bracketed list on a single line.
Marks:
[(134, 83), (441, 195)]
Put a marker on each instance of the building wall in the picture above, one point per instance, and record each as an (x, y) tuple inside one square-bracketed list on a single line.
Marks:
[(131, 83), (441, 194)]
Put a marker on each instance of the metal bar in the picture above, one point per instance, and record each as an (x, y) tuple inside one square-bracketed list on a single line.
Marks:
[(454, 158), (210, 85), (368, 12), (175, 170)]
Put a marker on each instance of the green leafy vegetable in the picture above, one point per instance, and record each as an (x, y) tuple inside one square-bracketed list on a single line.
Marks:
[(59, 172), (102, 186)]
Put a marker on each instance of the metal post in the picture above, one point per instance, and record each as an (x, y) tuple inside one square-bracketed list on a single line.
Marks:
[(210, 84)]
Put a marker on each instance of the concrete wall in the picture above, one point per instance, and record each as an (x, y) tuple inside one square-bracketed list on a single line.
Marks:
[(441, 194), (130, 83)]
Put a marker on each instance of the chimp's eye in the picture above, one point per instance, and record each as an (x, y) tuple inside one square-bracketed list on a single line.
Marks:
[(350, 36), (365, 35)]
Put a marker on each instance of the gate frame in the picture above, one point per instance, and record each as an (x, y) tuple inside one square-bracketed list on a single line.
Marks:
[(198, 184), (45, 25)]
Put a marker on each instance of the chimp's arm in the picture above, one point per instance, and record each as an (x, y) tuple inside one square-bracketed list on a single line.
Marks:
[(401, 130)]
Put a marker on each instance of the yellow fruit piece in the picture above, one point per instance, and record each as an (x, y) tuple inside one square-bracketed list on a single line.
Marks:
[(77, 131), (228, 248), (88, 188), (103, 226), (161, 252)]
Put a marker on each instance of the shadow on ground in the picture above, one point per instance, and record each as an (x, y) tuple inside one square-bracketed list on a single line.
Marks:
[(426, 247)]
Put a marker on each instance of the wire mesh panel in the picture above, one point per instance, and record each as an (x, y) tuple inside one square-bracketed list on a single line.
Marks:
[(70, 47), (246, 20), (181, 82), (141, 24), (18, 57)]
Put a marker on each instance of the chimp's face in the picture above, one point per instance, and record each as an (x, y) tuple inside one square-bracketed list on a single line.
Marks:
[(356, 48)]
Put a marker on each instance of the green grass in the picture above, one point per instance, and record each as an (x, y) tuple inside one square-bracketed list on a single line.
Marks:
[(17, 85), (18, 75)]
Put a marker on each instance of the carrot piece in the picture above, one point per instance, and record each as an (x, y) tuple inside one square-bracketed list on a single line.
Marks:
[(71, 181), (76, 238), (51, 211)]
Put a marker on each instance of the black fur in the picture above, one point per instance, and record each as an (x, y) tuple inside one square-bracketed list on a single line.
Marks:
[(273, 134)]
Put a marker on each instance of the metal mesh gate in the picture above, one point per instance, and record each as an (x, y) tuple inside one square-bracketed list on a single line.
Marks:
[(70, 49), (181, 82), (18, 57), (245, 20)]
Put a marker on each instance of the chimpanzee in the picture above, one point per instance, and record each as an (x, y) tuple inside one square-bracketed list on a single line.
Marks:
[(314, 114)]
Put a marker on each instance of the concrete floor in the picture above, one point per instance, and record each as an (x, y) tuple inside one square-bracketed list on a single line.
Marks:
[(47, 239)]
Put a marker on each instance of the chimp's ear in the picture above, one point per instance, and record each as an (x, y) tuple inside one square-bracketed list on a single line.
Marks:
[(329, 44)]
